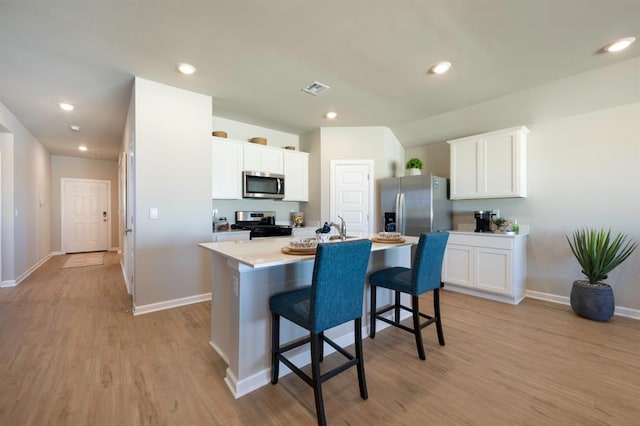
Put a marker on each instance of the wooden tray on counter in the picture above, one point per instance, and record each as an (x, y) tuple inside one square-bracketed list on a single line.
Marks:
[(298, 250), (388, 240)]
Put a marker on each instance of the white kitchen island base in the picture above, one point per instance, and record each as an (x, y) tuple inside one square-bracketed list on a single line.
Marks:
[(245, 275)]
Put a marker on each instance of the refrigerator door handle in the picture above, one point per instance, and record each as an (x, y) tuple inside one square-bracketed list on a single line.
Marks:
[(397, 212), (400, 213)]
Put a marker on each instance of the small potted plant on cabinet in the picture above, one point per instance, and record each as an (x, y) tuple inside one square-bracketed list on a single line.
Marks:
[(414, 165), (598, 255)]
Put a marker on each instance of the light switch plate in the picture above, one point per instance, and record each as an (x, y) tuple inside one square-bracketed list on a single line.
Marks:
[(153, 213)]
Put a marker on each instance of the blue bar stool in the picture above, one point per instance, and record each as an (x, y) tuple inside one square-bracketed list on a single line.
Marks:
[(424, 275), (334, 297)]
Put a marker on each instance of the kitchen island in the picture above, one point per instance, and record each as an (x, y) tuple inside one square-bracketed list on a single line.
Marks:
[(245, 275)]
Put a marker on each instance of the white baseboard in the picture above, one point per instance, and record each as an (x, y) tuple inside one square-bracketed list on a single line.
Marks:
[(168, 304), (114, 249), (31, 270), (8, 283), (484, 294), (564, 300), (57, 253)]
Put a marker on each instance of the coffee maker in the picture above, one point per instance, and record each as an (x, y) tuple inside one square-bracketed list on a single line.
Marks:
[(483, 220)]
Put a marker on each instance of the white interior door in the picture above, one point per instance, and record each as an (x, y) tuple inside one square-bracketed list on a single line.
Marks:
[(352, 193), (85, 215)]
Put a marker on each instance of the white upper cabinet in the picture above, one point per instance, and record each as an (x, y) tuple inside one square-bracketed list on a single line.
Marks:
[(490, 165), (296, 176), (259, 158), (227, 162)]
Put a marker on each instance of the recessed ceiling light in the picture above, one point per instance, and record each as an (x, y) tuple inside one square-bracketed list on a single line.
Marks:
[(440, 67), (619, 45), (82, 148), (331, 115), (65, 106), (186, 69), (74, 128)]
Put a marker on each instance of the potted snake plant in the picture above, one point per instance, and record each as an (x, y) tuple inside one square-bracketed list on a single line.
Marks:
[(598, 255)]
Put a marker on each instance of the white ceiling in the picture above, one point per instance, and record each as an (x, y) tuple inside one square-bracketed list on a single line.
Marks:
[(253, 57)]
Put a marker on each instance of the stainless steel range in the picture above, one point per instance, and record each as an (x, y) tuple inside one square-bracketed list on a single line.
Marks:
[(261, 224)]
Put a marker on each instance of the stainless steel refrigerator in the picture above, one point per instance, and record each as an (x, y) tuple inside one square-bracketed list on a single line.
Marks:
[(412, 205)]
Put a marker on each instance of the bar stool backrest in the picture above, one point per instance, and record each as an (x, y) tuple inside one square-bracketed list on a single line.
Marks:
[(427, 263), (338, 282)]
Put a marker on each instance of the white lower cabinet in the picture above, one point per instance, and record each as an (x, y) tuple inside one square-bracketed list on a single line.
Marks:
[(486, 265), (230, 236)]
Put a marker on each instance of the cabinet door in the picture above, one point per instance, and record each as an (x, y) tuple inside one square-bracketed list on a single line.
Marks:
[(226, 163), (231, 236), (258, 158), (458, 265), (491, 165), (500, 171), (493, 270), (464, 169), (296, 176)]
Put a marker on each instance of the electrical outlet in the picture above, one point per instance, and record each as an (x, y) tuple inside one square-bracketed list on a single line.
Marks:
[(496, 212)]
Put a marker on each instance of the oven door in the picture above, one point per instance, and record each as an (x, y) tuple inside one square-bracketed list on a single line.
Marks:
[(262, 185)]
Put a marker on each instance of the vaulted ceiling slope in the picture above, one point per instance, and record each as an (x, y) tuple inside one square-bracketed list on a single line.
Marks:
[(254, 56)]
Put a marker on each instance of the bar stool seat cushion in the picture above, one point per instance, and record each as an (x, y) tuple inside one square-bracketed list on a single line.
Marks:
[(295, 305), (395, 278)]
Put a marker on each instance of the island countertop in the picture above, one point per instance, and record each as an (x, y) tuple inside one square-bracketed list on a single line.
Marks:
[(267, 252)]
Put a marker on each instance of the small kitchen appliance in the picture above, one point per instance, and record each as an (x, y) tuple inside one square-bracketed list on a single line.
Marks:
[(261, 224), (483, 220)]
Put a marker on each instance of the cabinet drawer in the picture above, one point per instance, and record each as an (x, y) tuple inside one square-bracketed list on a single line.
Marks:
[(482, 240)]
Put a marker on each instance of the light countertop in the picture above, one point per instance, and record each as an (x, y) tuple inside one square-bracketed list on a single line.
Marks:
[(467, 229), (267, 252)]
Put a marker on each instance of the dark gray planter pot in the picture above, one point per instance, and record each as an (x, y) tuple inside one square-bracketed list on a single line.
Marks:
[(594, 302)]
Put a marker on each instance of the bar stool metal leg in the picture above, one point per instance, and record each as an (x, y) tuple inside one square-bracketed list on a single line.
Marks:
[(417, 330), (316, 342)]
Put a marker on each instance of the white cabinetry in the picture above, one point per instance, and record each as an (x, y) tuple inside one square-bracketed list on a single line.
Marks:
[(226, 164), (230, 236), (296, 176), (490, 165), (259, 158), (486, 265)]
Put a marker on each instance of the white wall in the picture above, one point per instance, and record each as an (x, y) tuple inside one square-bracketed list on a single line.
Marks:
[(26, 174), (583, 158), (173, 175), (81, 168), (346, 143), (244, 131)]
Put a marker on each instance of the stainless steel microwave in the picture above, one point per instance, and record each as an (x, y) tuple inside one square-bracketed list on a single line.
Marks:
[(262, 185)]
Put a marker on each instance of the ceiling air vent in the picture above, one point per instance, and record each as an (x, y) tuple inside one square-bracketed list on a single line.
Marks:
[(315, 88)]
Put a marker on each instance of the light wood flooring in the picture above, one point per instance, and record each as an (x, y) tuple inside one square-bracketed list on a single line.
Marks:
[(71, 353)]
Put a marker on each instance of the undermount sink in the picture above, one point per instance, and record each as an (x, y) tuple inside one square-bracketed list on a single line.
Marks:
[(337, 237)]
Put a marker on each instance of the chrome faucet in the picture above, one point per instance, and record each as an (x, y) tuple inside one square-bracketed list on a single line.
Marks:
[(342, 228)]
